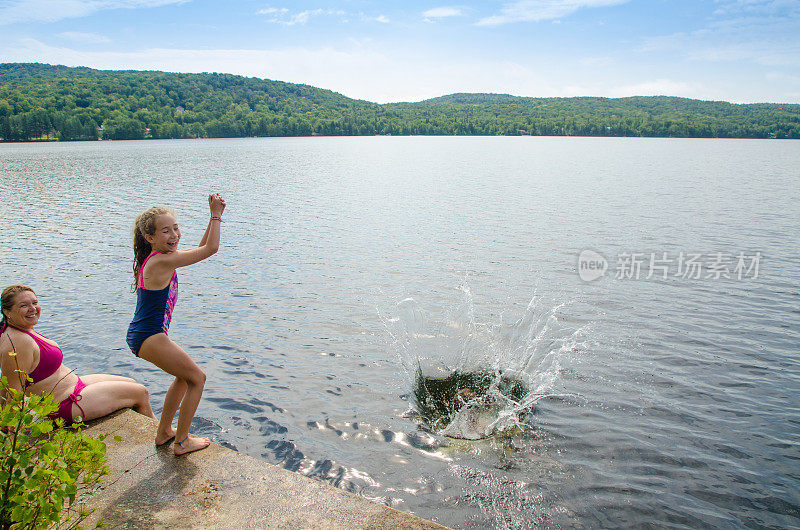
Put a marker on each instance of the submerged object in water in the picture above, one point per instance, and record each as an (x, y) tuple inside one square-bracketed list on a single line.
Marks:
[(469, 405), (473, 422)]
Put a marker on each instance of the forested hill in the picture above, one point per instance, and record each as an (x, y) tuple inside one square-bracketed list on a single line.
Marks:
[(40, 101)]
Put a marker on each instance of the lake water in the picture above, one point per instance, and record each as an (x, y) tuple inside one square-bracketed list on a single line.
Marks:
[(666, 392)]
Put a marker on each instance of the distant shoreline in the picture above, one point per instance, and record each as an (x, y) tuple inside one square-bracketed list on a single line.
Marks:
[(41, 102), (146, 140)]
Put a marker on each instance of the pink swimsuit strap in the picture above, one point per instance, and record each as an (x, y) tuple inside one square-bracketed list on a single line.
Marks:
[(140, 283), (141, 269), (50, 356)]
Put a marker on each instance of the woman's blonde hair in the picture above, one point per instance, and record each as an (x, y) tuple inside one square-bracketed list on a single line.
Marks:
[(7, 298)]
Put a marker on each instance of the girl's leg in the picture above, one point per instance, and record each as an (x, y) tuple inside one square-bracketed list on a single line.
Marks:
[(167, 355), (175, 394), (104, 397)]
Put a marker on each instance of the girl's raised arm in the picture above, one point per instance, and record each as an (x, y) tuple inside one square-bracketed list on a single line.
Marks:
[(209, 244), (205, 234)]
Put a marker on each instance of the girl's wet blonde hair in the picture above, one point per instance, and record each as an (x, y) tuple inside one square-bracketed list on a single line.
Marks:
[(145, 225)]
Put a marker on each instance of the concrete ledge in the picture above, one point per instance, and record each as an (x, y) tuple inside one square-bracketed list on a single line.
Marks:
[(149, 487)]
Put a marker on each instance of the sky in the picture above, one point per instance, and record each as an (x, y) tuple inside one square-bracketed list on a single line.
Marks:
[(740, 51)]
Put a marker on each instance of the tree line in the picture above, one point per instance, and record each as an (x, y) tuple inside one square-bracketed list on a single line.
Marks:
[(44, 102)]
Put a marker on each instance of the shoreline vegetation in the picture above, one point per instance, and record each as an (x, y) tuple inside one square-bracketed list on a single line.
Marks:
[(40, 102)]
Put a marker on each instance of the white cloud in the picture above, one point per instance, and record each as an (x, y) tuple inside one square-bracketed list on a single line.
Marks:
[(359, 72), (360, 69), (271, 11), (85, 38), (658, 87), (764, 53), (303, 16), (765, 40), (51, 10), (283, 16), (383, 19), (653, 87), (761, 7), (537, 10), (782, 77), (345, 71), (441, 12), (596, 62)]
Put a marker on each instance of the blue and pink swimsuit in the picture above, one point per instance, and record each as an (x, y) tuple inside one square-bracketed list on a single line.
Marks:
[(153, 309)]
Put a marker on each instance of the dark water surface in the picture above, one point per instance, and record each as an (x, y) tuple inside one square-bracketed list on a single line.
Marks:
[(347, 263)]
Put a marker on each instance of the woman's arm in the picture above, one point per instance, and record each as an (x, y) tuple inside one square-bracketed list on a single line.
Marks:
[(16, 364)]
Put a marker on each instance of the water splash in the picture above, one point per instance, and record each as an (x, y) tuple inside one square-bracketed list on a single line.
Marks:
[(472, 379)]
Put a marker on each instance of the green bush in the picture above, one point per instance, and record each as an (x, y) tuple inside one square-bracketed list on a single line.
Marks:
[(41, 465)]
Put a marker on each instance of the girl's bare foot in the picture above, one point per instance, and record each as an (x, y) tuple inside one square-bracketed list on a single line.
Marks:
[(165, 437), (190, 444)]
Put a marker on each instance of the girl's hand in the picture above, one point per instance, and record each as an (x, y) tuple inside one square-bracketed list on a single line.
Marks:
[(217, 204)]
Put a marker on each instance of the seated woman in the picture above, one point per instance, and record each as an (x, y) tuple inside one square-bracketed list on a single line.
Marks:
[(24, 350)]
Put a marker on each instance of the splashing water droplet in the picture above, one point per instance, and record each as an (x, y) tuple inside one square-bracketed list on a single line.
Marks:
[(472, 380)]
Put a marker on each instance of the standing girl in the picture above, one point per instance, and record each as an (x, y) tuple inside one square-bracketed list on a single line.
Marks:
[(156, 256)]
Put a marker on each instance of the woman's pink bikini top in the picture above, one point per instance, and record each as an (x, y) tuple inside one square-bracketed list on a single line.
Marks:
[(50, 356)]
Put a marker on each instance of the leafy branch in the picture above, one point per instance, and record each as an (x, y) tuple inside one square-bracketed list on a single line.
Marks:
[(43, 468)]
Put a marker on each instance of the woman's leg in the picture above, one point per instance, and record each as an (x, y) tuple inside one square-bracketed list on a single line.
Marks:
[(96, 378), (165, 432), (167, 355), (104, 397)]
